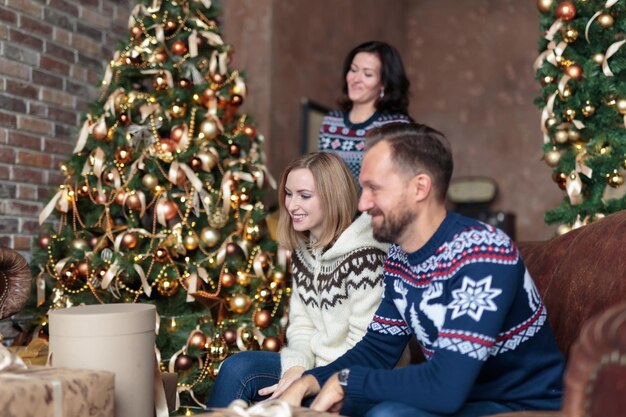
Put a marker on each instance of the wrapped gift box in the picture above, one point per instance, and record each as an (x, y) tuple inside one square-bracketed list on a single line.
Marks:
[(57, 392)]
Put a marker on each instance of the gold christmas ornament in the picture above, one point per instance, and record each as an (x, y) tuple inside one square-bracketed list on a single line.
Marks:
[(191, 241), (184, 83), (263, 294), (249, 340), (575, 71), (243, 278), (79, 245), (588, 109), (561, 136), (615, 179), (136, 31), (565, 93), (573, 135), (160, 81), (552, 157), (160, 54), (177, 110), (569, 114), (210, 236), (217, 78), (551, 121), (570, 34), (544, 6), (253, 232), (218, 349), (562, 229), (240, 303), (560, 178), (208, 129), (149, 181), (566, 11), (100, 130), (606, 20), (218, 219), (278, 277), (548, 79), (598, 58), (620, 104), (167, 286)]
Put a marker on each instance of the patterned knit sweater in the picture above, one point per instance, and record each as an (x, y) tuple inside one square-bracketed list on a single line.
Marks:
[(470, 301), (338, 134), (335, 294)]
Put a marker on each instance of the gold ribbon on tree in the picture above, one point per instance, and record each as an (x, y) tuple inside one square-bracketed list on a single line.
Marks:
[(607, 5), (612, 50)]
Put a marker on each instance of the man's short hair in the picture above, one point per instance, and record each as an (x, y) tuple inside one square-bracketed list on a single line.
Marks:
[(417, 148)]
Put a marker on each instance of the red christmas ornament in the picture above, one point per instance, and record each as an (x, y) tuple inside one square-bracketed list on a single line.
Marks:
[(565, 11)]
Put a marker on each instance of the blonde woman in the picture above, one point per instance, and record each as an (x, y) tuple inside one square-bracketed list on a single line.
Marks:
[(337, 280)]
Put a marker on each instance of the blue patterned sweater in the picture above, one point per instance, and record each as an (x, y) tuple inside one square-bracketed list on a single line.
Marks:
[(347, 139), (474, 309)]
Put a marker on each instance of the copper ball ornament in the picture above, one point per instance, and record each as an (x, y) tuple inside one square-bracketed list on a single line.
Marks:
[(236, 100), (184, 83), (573, 135), (575, 71), (198, 339), (130, 240), (44, 241), (160, 54), (263, 318), (228, 280), (166, 146), (100, 198), (184, 362), (272, 344), (217, 78), (240, 303), (133, 201), (161, 254), (170, 26), (136, 31), (560, 178), (100, 130), (230, 336), (566, 11), (544, 6), (195, 163), (606, 20), (179, 48), (177, 110), (569, 114), (278, 277), (249, 340), (82, 269), (177, 132), (233, 249), (249, 130), (598, 58), (124, 119), (123, 154), (234, 149), (168, 208), (83, 190)]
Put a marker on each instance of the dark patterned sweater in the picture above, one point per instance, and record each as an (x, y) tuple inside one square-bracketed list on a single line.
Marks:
[(335, 294), (347, 139), (470, 301)]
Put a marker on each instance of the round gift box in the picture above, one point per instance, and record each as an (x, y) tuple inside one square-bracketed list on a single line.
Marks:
[(112, 337)]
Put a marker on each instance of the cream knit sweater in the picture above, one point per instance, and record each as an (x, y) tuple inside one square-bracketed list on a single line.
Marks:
[(335, 294)]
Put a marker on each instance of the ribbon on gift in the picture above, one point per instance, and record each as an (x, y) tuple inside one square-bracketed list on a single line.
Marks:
[(271, 408), (13, 367)]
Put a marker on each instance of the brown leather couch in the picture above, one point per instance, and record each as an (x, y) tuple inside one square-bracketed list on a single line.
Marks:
[(15, 282), (582, 278)]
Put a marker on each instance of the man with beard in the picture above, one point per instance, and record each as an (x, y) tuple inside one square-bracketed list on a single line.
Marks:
[(458, 285)]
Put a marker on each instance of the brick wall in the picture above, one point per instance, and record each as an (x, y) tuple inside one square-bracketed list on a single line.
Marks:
[(52, 56)]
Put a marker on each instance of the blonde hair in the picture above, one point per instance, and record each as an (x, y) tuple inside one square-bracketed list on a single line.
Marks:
[(337, 193)]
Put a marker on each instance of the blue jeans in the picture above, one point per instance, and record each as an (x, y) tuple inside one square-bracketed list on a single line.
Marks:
[(395, 409), (242, 375)]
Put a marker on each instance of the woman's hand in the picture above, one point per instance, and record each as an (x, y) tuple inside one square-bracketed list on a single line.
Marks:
[(285, 382), (299, 389)]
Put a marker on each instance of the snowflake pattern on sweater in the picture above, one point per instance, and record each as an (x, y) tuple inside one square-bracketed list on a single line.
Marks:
[(338, 135), (469, 300)]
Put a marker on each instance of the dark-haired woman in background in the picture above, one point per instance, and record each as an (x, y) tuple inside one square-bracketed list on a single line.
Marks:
[(375, 92)]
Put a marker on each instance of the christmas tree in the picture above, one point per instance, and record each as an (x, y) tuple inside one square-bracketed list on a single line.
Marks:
[(162, 200), (581, 67)]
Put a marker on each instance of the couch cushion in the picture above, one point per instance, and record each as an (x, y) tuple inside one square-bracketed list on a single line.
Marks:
[(579, 274)]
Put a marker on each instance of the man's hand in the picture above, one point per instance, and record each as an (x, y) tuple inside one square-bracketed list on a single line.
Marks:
[(331, 397), (285, 382), (299, 389)]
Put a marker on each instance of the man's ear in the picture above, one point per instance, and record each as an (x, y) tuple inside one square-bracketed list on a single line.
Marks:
[(420, 187)]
